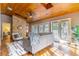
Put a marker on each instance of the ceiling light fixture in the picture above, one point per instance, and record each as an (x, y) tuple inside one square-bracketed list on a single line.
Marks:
[(9, 8), (29, 15), (47, 5)]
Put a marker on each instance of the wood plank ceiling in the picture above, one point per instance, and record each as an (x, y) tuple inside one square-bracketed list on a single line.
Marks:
[(20, 9), (38, 10)]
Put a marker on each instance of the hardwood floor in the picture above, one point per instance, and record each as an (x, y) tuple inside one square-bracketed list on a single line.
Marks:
[(4, 42), (49, 51), (0, 48)]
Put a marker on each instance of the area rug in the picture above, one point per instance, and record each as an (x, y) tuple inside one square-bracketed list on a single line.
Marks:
[(16, 49)]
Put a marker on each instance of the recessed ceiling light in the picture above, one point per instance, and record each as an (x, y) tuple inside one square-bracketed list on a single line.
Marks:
[(30, 16), (9, 8)]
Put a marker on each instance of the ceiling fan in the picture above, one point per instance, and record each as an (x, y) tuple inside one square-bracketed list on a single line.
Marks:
[(47, 5), (29, 15)]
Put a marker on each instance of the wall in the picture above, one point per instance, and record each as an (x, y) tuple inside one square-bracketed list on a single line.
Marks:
[(0, 34), (6, 23), (18, 21), (0, 27), (4, 19)]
